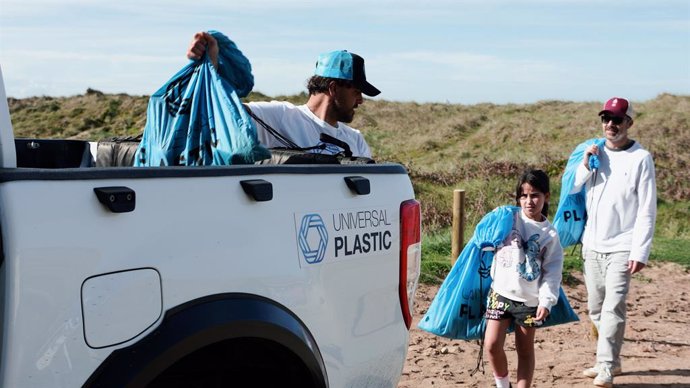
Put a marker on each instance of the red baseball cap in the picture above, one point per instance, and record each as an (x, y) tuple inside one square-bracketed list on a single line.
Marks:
[(618, 107)]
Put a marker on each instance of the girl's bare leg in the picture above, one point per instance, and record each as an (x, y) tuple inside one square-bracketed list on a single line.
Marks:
[(524, 344), (494, 339)]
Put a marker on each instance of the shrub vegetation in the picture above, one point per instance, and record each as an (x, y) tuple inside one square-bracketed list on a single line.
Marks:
[(480, 148)]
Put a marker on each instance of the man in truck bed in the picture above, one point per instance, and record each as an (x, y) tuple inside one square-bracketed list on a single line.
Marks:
[(335, 91)]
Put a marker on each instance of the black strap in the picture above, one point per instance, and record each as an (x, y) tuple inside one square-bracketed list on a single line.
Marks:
[(282, 139), (290, 145), (337, 142), (480, 356)]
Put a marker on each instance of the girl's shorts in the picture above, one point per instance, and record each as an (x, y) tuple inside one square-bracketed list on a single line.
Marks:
[(499, 307)]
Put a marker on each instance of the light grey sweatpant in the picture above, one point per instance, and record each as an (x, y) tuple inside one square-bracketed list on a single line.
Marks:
[(607, 279)]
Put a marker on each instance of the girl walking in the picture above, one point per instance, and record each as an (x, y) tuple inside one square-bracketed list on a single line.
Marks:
[(526, 278)]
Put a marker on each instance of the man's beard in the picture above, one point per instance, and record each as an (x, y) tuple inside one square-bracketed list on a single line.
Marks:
[(344, 115)]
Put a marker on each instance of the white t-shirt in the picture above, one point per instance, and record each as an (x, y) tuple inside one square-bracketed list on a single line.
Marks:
[(528, 266), (303, 128), (621, 202)]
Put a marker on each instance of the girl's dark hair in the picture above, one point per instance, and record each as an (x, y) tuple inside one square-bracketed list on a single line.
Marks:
[(537, 179), (317, 84)]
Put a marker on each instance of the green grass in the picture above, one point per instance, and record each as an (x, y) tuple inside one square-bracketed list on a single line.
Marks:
[(436, 249), (671, 244), (672, 219), (671, 249)]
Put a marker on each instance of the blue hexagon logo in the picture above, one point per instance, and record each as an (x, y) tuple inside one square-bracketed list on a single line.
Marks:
[(313, 238)]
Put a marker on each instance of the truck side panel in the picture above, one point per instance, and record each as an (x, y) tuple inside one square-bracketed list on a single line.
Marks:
[(204, 236)]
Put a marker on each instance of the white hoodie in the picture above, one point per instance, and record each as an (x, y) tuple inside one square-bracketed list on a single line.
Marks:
[(621, 202), (528, 266)]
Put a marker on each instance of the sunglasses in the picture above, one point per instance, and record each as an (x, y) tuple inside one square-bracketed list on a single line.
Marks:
[(616, 120)]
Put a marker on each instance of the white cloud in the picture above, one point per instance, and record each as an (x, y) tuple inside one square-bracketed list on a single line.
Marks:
[(461, 66), (81, 56), (487, 49)]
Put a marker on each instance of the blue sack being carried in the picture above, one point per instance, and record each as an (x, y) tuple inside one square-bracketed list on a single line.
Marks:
[(571, 215), (457, 310), (197, 117)]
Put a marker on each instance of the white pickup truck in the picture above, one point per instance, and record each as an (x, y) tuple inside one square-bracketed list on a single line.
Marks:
[(243, 276)]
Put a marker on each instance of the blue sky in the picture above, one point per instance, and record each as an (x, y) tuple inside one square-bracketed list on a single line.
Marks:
[(458, 51)]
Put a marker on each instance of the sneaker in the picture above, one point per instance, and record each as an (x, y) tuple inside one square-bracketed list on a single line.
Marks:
[(604, 378), (594, 371)]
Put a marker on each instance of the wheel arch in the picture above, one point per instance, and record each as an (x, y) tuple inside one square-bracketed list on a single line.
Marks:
[(203, 322)]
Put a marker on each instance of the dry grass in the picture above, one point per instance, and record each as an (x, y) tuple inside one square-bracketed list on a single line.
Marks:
[(90, 116), (480, 148)]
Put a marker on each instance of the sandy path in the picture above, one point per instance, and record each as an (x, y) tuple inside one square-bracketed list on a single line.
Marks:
[(656, 352)]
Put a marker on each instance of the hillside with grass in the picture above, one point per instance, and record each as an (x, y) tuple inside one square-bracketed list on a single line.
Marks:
[(480, 148)]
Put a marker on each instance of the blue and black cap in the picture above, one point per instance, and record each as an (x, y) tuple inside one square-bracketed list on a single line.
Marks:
[(345, 65)]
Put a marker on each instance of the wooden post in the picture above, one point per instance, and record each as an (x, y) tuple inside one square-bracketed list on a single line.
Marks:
[(458, 231)]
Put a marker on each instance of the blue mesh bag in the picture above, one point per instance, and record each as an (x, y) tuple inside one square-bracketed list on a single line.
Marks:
[(457, 310), (197, 117), (571, 214)]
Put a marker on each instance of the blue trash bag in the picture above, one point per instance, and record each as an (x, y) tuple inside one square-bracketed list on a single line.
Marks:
[(197, 117), (457, 310), (571, 215), (561, 312)]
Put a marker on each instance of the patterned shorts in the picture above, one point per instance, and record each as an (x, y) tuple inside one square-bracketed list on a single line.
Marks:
[(499, 307)]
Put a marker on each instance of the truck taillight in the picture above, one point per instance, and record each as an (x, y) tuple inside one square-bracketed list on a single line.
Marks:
[(410, 255)]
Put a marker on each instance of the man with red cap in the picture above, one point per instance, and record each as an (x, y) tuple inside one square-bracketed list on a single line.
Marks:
[(335, 91), (621, 213)]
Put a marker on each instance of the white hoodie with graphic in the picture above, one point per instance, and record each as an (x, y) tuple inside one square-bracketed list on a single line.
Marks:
[(528, 266)]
